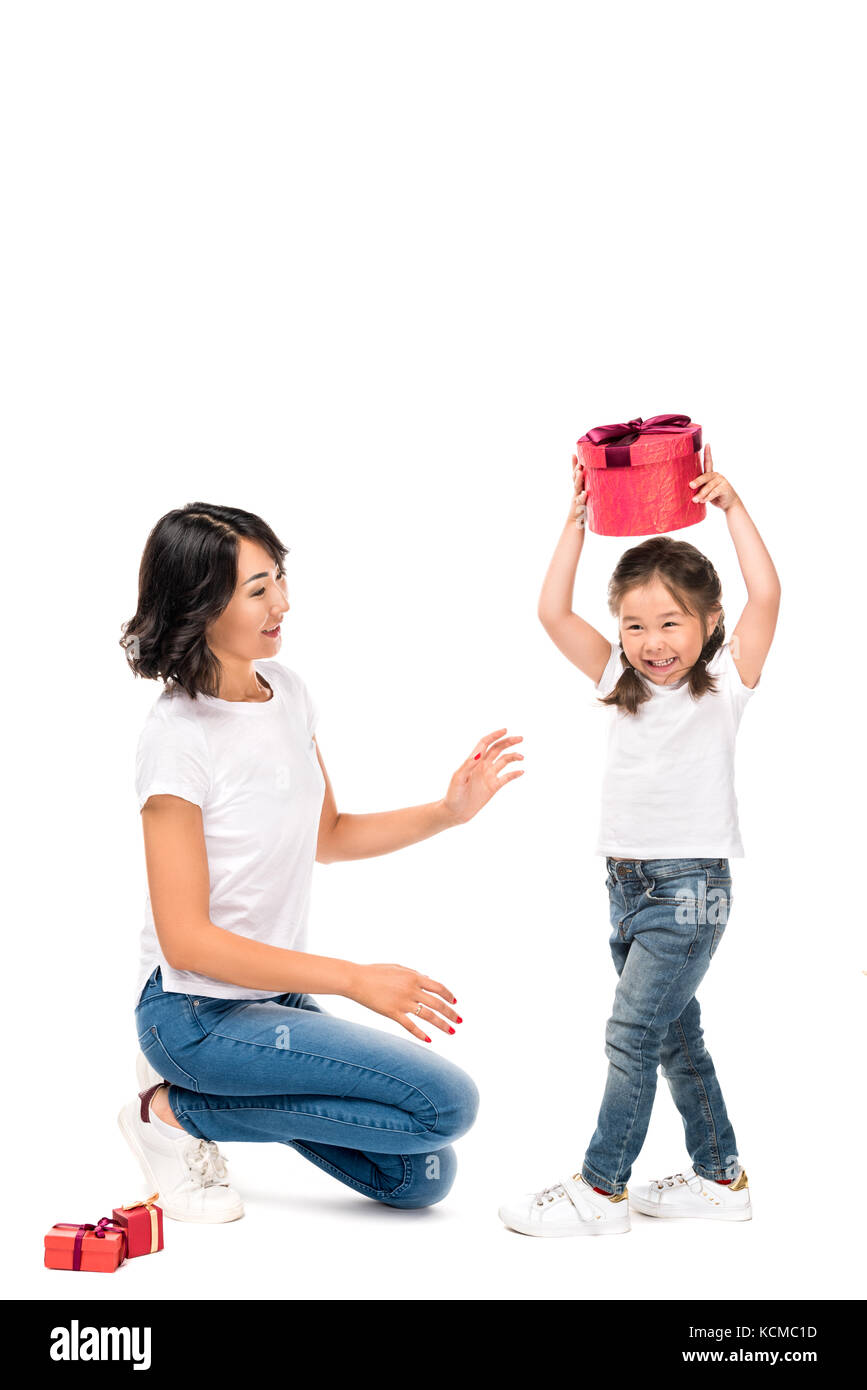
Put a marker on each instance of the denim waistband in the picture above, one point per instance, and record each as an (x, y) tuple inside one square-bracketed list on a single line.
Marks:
[(666, 868)]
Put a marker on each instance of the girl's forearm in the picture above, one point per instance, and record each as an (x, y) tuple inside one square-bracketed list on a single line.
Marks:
[(558, 589), (757, 567), (224, 955), (380, 832)]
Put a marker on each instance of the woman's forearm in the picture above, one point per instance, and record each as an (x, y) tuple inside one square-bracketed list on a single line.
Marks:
[(380, 832), (757, 567), (555, 600), (224, 955)]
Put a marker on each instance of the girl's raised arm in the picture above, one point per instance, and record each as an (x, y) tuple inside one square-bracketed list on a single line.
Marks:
[(754, 632), (578, 640)]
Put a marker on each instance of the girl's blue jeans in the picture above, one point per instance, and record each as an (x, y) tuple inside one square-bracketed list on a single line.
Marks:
[(377, 1112), (668, 917)]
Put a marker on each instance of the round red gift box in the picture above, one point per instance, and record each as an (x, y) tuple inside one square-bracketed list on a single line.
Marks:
[(637, 476)]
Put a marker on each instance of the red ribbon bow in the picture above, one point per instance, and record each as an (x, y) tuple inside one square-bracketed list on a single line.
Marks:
[(104, 1224), (620, 434)]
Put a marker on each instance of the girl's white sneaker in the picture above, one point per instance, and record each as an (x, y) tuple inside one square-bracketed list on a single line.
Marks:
[(189, 1173), (570, 1207), (690, 1195)]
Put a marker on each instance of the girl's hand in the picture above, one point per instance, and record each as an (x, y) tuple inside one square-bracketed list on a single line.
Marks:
[(476, 780), (713, 487), (396, 992), (580, 499)]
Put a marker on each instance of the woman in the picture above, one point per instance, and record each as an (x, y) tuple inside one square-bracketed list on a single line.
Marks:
[(236, 804)]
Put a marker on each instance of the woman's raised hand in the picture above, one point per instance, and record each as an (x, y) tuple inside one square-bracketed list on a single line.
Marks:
[(477, 779), (580, 499), (396, 992)]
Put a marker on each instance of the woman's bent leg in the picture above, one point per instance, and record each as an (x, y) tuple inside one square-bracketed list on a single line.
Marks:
[(376, 1111)]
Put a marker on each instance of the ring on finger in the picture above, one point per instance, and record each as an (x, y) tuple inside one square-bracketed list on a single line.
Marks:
[(418, 1010)]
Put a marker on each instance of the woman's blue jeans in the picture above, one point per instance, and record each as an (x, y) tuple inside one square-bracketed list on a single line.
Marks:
[(668, 917), (377, 1112)]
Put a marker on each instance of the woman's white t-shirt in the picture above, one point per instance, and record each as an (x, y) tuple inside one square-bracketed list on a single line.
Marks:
[(252, 768), (668, 790)]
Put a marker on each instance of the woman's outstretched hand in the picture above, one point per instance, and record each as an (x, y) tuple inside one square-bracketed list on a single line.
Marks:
[(713, 487), (396, 992), (476, 780)]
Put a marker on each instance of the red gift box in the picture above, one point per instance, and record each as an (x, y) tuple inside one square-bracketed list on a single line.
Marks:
[(143, 1223), (85, 1246), (637, 475)]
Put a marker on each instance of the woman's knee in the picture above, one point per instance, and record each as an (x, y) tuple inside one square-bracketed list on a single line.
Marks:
[(457, 1105)]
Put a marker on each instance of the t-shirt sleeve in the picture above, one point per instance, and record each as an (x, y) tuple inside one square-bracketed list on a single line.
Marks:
[(311, 710), (613, 671), (725, 668), (172, 759), (304, 701)]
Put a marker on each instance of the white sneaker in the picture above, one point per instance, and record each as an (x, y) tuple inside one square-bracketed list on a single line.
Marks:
[(688, 1194), (570, 1207), (189, 1173)]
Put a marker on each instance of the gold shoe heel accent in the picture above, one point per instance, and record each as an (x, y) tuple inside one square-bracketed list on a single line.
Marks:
[(740, 1182), (620, 1196)]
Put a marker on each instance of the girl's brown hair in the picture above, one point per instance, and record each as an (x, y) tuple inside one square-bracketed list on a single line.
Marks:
[(188, 574), (693, 583)]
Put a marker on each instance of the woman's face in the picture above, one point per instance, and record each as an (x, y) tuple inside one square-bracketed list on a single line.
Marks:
[(654, 628), (258, 604)]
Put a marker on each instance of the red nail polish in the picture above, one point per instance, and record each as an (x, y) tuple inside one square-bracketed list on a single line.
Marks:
[(451, 1030), (460, 1020), (427, 1039), (476, 758)]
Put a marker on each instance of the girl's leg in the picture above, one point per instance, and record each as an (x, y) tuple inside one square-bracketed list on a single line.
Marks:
[(689, 1070), (662, 940), (375, 1111)]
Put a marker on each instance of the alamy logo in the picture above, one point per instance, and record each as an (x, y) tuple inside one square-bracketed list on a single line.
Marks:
[(711, 907), (76, 1343)]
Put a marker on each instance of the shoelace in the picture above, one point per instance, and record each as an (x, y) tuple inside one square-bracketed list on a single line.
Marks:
[(674, 1178), (205, 1162), (549, 1194)]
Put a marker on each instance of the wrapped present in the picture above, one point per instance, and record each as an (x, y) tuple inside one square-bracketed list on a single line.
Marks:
[(85, 1246), (143, 1223), (637, 476)]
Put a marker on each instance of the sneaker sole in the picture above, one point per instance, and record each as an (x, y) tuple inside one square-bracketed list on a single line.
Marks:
[(231, 1214), (647, 1209), (619, 1228)]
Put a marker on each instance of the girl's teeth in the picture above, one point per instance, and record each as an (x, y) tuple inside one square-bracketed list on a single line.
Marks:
[(661, 664)]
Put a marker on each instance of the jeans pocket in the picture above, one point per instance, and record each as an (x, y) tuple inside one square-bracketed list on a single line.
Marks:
[(718, 905), (676, 890), (161, 1060)]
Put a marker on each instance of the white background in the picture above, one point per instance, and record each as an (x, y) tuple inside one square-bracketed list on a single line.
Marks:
[(369, 271)]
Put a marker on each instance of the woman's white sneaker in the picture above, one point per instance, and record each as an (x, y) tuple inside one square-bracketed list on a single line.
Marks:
[(570, 1207), (189, 1173), (690, 1195)]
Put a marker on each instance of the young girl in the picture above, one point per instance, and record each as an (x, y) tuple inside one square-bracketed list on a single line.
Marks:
[(668, 828), (235, 805)]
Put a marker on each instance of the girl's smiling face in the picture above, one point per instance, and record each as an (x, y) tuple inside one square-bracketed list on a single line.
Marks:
[(654, 628)]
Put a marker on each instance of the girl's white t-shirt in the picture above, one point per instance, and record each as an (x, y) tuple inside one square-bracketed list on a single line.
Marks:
[(668, 789), (252, 768)]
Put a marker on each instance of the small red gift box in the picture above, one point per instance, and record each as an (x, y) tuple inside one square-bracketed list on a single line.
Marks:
[(637, 475), (85, 1246), (143, 1223)]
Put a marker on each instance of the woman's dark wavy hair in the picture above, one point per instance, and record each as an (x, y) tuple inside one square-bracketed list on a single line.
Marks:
[(188, 574), (693, 583)]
